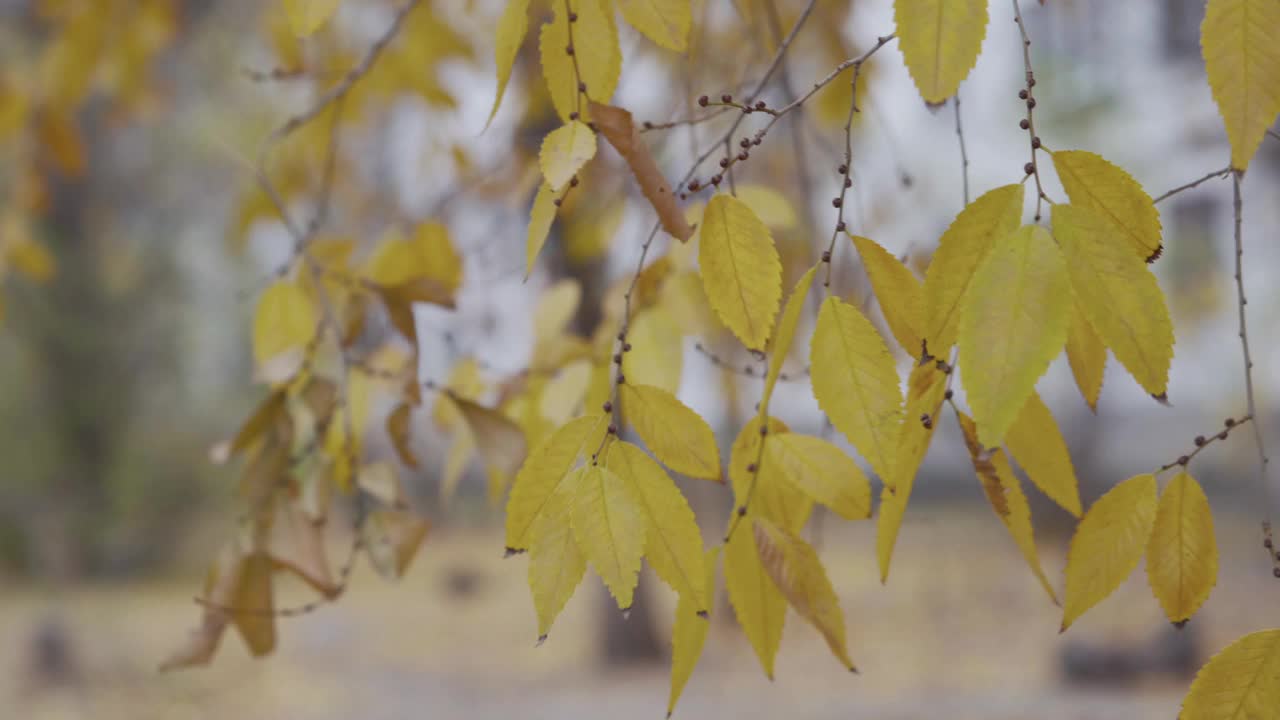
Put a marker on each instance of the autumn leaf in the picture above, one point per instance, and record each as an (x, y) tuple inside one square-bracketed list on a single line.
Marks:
[(556, 562), (398, 430), (540, 219), (512, 27), (616, 126), (1239, 38), (757, 603), (940, 42), (773, 496), (1087, 357), (672, 541), (251, 605), (283, 325), (856, 383), (666, 22), (898, 291), (796, 570), (823, 472), (564, 151), (392, 538), (785, 334), (961, 250), (598, 56), (610, 530), (543, 471), (1108, 544), (306, 16), (675, 434), (1092, 182), (656, 356), (1004, 492), (740, 268), (1240, 683), (1182, 553), (499, 440), (1036, 443), (1013, 323), (689, 634), (1119, 295)]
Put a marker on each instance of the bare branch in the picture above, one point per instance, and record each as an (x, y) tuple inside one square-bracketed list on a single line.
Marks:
[(1028, 95), (1237, 206), (1195, 183), (964, 155)]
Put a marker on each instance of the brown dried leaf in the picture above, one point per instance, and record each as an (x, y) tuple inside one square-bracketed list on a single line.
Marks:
[(616, 126), (398, 429), (392, 538), (298, 546)]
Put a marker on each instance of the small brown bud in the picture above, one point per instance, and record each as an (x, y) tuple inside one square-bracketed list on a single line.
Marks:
[(764, 430), (582, 87), (1229, 422), (558, 202), (648, 125), (622, 337), (742, 156), (1031, 82), (702, 101), (573, 17), (626, 347), (726, 98), (1029, 168), (613, 429), (607, 407), (760, 105), (742, 511), (1022, 94), (848, 182), (948, 395), (574, 115), (826, 256), (840, 226), (573, 181), (617, 358), (744, 142), (1024, 124), (1183, 460), (724, 162), (1035, 143), (1222, 435), (1276, 572), (1031, 103), (568, 50), (622, 379), (715, 179), (836, 202), (751, 467), (1266, 543), (1200, 441), (694, 185), (843, 169)]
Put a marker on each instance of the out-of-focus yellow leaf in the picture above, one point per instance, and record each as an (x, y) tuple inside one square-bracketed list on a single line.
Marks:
[(220, 585), (898, 291), (500, 441), (392, 538), (757, 602), (428, 254), (741, 271), (1182, 552), (306, 16), (771, 206), (961, 250), (599, 58), (940, 41), (610, 530), (540, 219), (1004, 492), (1014, 322), (283, 325), (656, 356), (1087, 356), (1036, 444), (31, 259), (666, 22), (1240, 683), (251, 605), (856, 383), (1119, 295), (1093, 182), (398, 430), (785, 335), (555, 309), (689, 634), (675, 434), (512, 27), (544, 470), (823, 472), (1108, 544), (796, 570), (564, 394), (564, 151), (298, 546), (1239, 39), (556, 562), (672, 541)]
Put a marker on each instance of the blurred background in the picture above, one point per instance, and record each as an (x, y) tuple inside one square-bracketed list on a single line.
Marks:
[(135, 241)]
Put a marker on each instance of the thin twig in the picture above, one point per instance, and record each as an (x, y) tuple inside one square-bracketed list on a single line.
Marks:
[(746, 370), (1202, 441), (1195, 183), (964, 155), (1237, 206), (1028, 95)]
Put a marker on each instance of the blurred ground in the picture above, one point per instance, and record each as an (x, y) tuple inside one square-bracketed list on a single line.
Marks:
[(961, 629)]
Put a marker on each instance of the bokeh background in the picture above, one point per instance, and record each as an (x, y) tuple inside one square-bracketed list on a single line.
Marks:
[(121, 370)]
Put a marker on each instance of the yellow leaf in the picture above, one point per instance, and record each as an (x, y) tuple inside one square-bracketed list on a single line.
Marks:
[(1087, 355), (786, 333), (961, 250), (564, 151), (1239, 40), (675, 434), (512, 27), (610, 530), (562, 398), (666, 22), (398, 430), (500, 441), (1108, 544), (283, 325), (544, 470), (940, 41), (741, 271), (1036, 444), (540, 219), (1240, 683), (429, 254), (595, 44), (672, 541), (795, 568), (1092, 182), (392, 538), (556, 563), (856, 383), (774, 496), (1119, 296), (757, 603), (771, 206), (1004, 492), (555, 309), (306, 16), (926, 389), (1182, 553), (689, 634), (897, 290), (252, 604), (1013, 324), (657, 350), (31, 259), (823, 472)]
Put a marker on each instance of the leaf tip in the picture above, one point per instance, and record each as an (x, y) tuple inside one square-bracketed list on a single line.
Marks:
[(1162, 398), (541, 639), (509, 551)]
